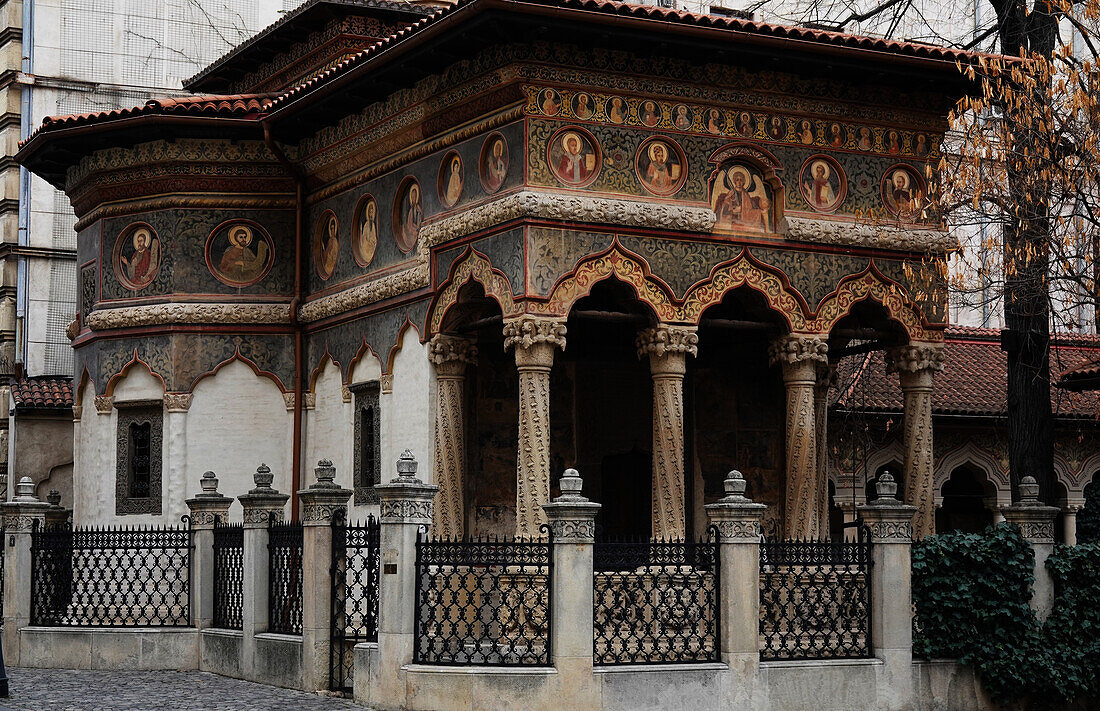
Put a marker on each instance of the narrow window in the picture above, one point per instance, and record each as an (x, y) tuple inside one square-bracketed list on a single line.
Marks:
[(138, 458), (368, 442), (369, 445), (140, 442)]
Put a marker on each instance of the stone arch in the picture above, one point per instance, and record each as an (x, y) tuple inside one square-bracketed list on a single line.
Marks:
[(121, 374), (326, 359), (892, 452), (399, 341), (969, 454), (81, 383), (237, 356), (365, 350), (616, 262), (1063, 473), (471, 266), (870, 284), (744, 270), (1089, 471)]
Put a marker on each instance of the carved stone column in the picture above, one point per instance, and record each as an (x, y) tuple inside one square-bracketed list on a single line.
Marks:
[(21, 516), (534, 340), (450, 356), (667, 348), (1036, 523), (799, 356), (207, 509), (916, 366), (826, 378)]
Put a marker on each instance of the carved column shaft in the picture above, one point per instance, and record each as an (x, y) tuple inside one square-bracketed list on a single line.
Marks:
[(667, 348), (916, 366), (450, 356), (799, 356), (825, 376), (534, 340)]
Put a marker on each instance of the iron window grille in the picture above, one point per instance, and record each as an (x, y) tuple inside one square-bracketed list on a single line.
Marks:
[(483, 601), (815, 599), (139, 437), (355, 571), (228, 579), (367, 445), (111, 577), (284, 546), (655, 602)]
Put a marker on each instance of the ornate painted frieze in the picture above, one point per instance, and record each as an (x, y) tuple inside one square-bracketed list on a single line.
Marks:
[(170, 313)]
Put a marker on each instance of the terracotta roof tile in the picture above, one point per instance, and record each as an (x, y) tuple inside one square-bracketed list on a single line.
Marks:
[(42, 393), (974, 380)]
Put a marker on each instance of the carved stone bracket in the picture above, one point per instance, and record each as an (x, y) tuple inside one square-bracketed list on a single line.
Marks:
[(309, 401), (825, 231), (345, 394), (178, 402), (288, 401), (158, 314), (385, 383), (527, 331), (104, 404)]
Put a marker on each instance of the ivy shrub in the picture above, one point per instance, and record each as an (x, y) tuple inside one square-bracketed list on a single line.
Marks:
[(1088, 518), (971, 594)]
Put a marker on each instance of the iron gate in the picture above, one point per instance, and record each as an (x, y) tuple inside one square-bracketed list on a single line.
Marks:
[(355, 569)]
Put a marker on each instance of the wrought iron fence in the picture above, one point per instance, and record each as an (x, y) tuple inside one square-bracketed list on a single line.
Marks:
[(655, 602), (284, 602), (111, 577), (815, 599), (3, 547), (355, 570), (482, 601), (229, 576)]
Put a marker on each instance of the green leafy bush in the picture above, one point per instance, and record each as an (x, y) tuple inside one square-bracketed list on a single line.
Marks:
[(971, 594), (1088, 518)]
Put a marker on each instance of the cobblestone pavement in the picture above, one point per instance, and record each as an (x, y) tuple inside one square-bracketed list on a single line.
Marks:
[(69, 690)]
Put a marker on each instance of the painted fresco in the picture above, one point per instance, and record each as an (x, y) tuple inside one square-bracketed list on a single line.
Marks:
[(574, 157), (903, 193), (326, 244), (451, 179), (408, 213), (823, 183), (660, 164), (741, 199), (239, 253), (493, 162), (137, 256), (365, 241)]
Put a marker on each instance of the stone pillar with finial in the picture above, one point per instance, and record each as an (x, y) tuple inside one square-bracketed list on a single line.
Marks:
[(572, 520), (207, 510), (262, 506), (56, 515), (22, 515), (737, 520), (891, 525), (406, 509), (321, 503), (1036, 523)]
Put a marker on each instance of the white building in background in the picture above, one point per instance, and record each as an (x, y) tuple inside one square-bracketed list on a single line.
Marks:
[(68, 57)]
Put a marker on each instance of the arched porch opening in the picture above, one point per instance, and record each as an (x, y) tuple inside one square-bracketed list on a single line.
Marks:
[(966, 501), (735, 406), (601, 407)]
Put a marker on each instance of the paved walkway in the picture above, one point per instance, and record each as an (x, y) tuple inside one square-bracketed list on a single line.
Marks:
[(69, 690)]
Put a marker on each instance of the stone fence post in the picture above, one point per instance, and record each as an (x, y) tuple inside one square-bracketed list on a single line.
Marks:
[(406, 505), (261, 505), (1036, 523), (891, 524), (737, 519), (572, 520), (56, 514), (22, 515), (319, 504), (207, 509)]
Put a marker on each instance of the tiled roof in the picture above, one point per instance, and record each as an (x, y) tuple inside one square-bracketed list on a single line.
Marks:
[(974, 380), (42, 393), (1086, 375), (222, 106)]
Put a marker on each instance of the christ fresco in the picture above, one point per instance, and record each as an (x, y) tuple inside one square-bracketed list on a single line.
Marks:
[(659, 167), (741, 199), (138, 259), (239, 254), (573, 158)]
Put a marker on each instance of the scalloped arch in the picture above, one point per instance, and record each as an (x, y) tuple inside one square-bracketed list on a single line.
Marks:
[(405, 326), (471, 266), (365, 350), (135, 360), (970, 454), (870, 284), (235, 357), (743, 270)]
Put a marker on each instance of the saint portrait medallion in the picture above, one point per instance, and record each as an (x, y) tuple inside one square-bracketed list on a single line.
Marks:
[(660, 164), (326, 244), (239, 253), (450, 179), (822, 183), (903, 192), (365, 240), (493, 163), (574, 157), (137, 256), (407, 214)]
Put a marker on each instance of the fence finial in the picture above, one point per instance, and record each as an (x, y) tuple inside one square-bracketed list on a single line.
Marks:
[(263, 478), (1028, 491), (209, 484), (735, 486), (325, 473), (406, 466), (886, 487), (24, 491), (571, 485), (53, 498)]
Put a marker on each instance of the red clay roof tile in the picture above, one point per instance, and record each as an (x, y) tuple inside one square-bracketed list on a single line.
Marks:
[(42, 393)]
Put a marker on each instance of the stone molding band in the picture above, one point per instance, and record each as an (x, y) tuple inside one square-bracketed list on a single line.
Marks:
[(174, 313), (878, 236)]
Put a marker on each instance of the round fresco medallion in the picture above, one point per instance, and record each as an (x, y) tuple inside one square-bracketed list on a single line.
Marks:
[(836, 135), (326, 244), (493, 162), (450, 179), (866, 138), (574, 157), (583, 106), (660, 165), (137, 256), (616, 109), (893, 142), (549, 102), (407, 214), (239, 253), (682, 117), (745, 124), (365, 240), (903, 192), (649, 113), (920, 144), (822, 183), (777, 128), (806, 133), (716, 122)]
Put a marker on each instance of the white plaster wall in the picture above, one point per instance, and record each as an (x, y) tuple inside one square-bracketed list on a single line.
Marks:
[(409, 425), (237, 421), (329, 429)]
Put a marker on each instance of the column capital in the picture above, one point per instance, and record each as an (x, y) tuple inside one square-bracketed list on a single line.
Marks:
[(406, 499), (1035, 520), (21, 512), (572, 516), (262, 504), (915, 363), (890, 520), (451, 354), (736, 516), (526, 332), (104, 404), (799, 354), (178, 402), (208, 506), (665, 339), (324, 498)]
